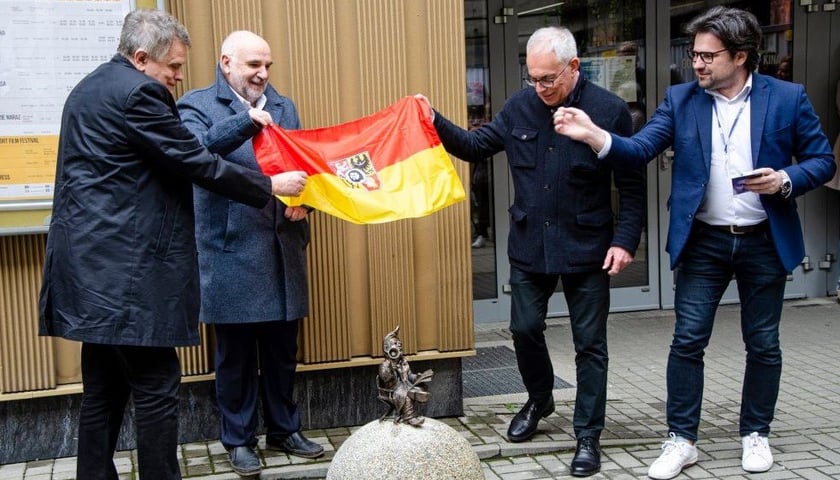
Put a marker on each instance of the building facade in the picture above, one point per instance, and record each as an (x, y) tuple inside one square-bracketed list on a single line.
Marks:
[(342, 59), (637, 48)]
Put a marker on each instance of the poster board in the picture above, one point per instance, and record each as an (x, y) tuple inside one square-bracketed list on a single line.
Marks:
[(46, 48), (616, 74)]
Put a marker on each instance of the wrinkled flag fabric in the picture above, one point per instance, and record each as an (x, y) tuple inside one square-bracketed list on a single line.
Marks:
[(379, 168)]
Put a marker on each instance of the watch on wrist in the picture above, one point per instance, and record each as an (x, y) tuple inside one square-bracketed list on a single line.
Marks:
[(786, 187)]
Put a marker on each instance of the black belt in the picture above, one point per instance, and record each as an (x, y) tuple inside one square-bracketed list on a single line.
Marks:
[(738, 229)]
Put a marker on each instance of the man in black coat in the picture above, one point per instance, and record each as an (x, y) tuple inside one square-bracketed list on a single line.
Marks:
[(561, 229), (121, 274)]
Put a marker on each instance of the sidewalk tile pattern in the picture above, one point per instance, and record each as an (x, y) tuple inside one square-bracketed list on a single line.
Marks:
[(806, 431)]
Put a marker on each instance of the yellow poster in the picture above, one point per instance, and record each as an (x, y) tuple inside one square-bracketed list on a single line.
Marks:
[(27, 166)]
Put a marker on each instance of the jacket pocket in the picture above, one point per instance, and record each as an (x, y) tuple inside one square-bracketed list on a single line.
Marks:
[(232, 231), (523, 148), (164, 236), (520, 244), (594, 219)]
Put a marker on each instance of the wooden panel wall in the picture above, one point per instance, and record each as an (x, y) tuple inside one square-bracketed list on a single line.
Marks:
[(338, 60), (26, 360)]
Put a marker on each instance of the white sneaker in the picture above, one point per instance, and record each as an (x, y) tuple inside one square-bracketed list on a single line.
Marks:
[(677, 454), (479, 242), (757, 456)]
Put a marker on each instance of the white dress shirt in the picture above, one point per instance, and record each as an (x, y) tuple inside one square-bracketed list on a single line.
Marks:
[(731, 157)]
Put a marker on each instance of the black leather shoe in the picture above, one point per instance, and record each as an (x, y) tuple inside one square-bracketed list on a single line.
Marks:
[(244, 461), (587, 459), (298, 445), (524, 424)]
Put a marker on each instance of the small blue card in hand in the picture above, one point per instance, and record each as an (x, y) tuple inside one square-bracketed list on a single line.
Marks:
[(738, 183)]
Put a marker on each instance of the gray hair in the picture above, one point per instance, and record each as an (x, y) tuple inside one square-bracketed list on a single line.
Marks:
[(739, 31), (152, 31), (557, 39)]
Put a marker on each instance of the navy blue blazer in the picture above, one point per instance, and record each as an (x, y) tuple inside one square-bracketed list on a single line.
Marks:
[(783, 125), (252, 261), (561, 220)]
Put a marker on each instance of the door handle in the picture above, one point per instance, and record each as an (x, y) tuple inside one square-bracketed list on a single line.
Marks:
[(666, 159)]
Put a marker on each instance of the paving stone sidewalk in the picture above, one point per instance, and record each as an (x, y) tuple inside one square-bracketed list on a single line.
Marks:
[(805, 440)]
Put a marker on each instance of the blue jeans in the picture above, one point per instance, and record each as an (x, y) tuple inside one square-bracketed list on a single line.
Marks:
[(708, 263), (588, 297)]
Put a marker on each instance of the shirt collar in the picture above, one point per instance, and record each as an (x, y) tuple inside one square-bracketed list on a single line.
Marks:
[(574, 95)]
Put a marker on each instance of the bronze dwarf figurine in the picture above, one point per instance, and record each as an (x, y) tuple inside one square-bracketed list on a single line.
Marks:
[(398, 387)]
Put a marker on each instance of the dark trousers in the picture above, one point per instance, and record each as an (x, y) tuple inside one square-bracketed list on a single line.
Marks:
[(110, 374), (588, 297), (709, 261), (256, 360)]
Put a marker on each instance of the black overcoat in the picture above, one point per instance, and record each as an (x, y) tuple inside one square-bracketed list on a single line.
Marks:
[(121, 264)]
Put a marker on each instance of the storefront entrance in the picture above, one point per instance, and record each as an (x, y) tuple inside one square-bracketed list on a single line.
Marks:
[(636, 49)]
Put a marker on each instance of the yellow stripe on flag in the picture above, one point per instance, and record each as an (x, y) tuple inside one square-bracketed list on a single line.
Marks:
[(398, 197)]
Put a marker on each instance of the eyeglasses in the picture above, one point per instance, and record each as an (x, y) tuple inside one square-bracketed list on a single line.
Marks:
[(706, 57), (545, 82)]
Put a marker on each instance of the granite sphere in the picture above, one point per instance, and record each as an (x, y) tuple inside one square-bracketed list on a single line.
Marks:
[(384, 449)]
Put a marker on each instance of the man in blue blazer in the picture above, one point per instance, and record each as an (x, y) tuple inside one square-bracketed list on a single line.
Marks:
[(733, 212), (561, 229), (252, 261)]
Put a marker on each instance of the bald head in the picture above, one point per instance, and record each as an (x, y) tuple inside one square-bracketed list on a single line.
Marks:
[(242, 39), (245, 61)]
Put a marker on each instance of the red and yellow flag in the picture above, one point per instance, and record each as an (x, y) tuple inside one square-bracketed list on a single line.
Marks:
[(383, 167)]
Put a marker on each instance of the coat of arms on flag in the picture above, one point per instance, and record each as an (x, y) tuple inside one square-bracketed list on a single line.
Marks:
[(357, 171), (383, 167)]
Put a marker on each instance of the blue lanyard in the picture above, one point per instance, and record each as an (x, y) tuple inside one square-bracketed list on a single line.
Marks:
[(728, 138)]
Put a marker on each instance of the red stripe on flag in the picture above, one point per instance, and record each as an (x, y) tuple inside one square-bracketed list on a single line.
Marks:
[(388, 136)]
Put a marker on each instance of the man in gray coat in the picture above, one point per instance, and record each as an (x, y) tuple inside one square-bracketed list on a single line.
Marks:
[(252, 260), (120, 273)]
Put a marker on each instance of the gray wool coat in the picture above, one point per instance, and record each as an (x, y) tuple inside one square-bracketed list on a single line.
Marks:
[(252, 261)]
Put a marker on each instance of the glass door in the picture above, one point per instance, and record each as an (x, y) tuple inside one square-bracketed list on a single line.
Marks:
[(482, 204), (612, 45)]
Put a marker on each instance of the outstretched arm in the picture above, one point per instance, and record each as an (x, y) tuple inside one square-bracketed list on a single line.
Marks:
[(576, 124)]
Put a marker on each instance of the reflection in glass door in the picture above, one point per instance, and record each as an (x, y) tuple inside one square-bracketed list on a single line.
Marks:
[(479, 109)]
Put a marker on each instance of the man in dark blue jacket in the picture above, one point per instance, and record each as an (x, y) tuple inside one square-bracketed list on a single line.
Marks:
[(561, 229), (252, 261), (734, 133), (120, 273)]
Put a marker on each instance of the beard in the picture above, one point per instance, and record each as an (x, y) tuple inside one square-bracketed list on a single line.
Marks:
[(254, 93), (707, 81), (250, 91)]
